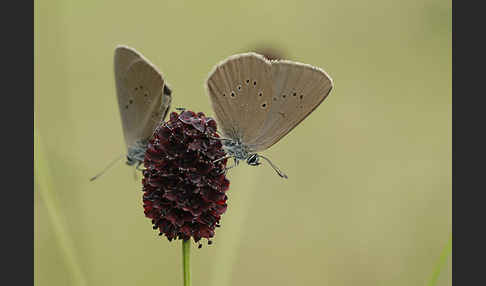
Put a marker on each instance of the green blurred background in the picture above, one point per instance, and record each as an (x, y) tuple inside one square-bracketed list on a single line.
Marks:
[(368, 201)]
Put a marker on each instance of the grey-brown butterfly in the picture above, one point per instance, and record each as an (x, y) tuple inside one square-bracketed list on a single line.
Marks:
[(257, 102), (143, 100)]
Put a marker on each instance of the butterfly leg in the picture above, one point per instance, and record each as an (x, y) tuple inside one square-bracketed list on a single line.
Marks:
[(222, 158), (230, 167), (234, 165), (138, 166)]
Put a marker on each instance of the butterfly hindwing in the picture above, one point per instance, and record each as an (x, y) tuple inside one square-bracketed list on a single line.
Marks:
[(298, 90)]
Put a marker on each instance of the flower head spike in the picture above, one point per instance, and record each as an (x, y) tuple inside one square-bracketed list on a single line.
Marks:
[(184, 188)]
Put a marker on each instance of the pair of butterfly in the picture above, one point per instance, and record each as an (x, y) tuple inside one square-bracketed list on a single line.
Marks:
[(256, 102)]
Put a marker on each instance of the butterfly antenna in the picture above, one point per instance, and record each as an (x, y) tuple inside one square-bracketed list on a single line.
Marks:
[(279, 172), (220, 139), (222, 158), (106, 168)]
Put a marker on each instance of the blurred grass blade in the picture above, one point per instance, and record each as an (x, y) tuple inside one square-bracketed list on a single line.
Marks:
[(231, 234), (442, 261), (43, 183)]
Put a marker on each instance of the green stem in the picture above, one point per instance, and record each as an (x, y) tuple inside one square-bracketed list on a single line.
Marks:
[(186, 261)]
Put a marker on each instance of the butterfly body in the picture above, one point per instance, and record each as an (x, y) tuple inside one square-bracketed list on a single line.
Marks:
[(136, 153), (236, 149)]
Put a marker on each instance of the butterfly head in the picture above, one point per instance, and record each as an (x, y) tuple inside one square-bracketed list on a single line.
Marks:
[(239, 151), (253, 160)]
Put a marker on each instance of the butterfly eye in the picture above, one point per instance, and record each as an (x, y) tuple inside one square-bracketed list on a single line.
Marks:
[(224, 94), (239, 87), (284, 95), (247, 81), (294, 94), (260, 93), (232, 94), (264, 105), (254, 83), (301, 96), (130, 101)]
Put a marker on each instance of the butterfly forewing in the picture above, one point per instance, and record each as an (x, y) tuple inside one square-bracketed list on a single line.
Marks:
[(298, 90), (140, 94), (124, 57), (241, 89)]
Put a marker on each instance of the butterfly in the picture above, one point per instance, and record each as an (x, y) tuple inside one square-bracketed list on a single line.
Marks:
[(257, 102), (143, 100)]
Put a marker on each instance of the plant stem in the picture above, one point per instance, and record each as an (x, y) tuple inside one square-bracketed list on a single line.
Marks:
[(186, 261)]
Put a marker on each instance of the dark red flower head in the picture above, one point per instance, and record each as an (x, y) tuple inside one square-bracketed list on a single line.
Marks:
[(184, 190)]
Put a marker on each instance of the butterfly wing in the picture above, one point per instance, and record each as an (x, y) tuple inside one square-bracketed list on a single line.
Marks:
[(140, 92), (240, 89), (298, 90)]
